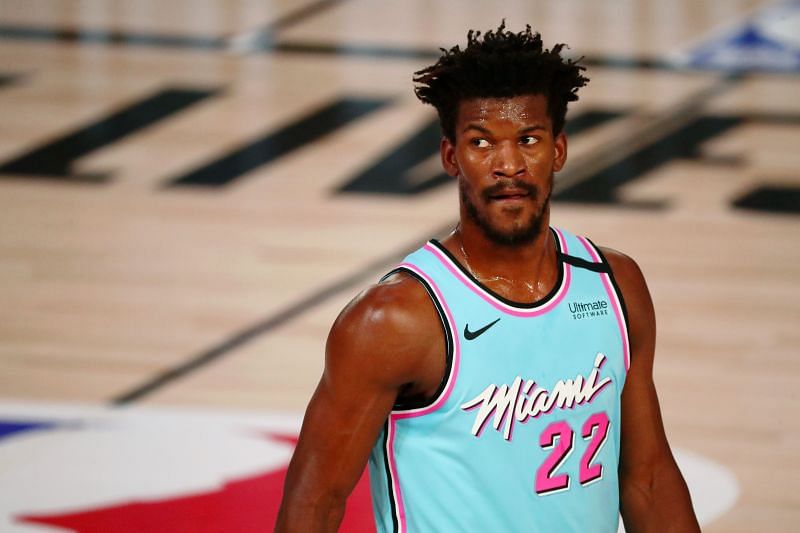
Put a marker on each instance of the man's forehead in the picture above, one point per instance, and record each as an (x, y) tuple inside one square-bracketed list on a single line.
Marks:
[(525, 108)]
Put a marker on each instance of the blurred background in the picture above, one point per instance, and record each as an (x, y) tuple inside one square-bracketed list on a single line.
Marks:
[(190, 191)]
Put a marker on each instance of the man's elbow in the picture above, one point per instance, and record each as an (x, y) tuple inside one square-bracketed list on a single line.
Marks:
[(656, 498)]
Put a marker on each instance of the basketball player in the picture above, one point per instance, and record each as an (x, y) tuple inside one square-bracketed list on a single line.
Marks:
[(501, 379)]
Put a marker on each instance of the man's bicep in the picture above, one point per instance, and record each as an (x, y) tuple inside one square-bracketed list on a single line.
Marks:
[(374, 349), (352, 400), (339, 429), (644, 445), (643, 437), (653, 494)]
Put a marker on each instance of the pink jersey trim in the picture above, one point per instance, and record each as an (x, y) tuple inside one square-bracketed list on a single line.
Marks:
[(451, 323), (615, 303), (396, 495), (394, 416), (502, 306)]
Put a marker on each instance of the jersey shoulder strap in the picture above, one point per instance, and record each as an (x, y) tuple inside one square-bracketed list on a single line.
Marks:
[(583, 253)]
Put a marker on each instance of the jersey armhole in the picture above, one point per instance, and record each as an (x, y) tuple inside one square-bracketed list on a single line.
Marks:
[(610, 272), (620, 296), (448, 339)]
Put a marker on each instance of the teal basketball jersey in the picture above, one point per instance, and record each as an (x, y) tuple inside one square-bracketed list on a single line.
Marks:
[(523, 433)]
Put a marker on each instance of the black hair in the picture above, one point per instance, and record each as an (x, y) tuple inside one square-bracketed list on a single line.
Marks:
[(502, 64)]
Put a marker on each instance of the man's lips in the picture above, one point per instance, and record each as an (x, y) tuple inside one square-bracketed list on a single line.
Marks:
[(510, 191), (510, 194)]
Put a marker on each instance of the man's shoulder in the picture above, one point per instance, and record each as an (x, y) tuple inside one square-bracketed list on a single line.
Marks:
[(387, 332), (398, 305), (399, 289), (635, 294), (626, 272), (622, 265)]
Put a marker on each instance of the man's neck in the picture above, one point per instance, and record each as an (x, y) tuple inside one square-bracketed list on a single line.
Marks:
[(524, 272)]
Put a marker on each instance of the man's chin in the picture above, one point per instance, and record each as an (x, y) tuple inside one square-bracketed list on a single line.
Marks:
[(513, 236), (509, 226)]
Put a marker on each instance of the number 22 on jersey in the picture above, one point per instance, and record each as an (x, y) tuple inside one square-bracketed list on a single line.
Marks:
[(560, 438)]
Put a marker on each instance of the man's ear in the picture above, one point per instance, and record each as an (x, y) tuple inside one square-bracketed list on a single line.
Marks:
[(447, 151), (560, 147)]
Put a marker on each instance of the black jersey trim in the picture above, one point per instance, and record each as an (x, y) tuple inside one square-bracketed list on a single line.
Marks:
[(448, 340), (583, 263), (620, 296), (511, 303), (390, 485)]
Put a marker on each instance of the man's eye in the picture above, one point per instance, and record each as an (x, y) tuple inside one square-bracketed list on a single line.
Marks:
[(480, 143), (529, 139)]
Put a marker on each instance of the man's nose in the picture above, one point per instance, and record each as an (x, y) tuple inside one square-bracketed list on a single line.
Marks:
[(508, 160)]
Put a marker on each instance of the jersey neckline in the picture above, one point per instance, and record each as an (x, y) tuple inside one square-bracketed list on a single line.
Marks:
[(558, 288)]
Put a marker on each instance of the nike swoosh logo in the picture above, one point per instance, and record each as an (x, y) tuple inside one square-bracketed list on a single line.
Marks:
[(470, 335)]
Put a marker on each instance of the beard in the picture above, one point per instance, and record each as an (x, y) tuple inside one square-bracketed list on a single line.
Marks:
[(521, 233)]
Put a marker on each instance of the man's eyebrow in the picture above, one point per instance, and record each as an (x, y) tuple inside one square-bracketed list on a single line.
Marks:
[(476, 127), (535, 127)]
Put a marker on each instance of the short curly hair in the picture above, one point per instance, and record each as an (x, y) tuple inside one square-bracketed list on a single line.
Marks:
[(502, 64)]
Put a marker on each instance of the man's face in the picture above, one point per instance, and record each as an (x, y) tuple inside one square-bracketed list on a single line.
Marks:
[(504, 158)]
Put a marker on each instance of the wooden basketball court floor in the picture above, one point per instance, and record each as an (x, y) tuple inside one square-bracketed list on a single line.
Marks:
[(190, 191)]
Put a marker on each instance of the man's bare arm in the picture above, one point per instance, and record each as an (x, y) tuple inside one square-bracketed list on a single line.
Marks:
[(653, 493), (380, 345)]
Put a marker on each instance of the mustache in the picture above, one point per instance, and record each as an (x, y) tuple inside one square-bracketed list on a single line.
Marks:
[(504, 185)]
